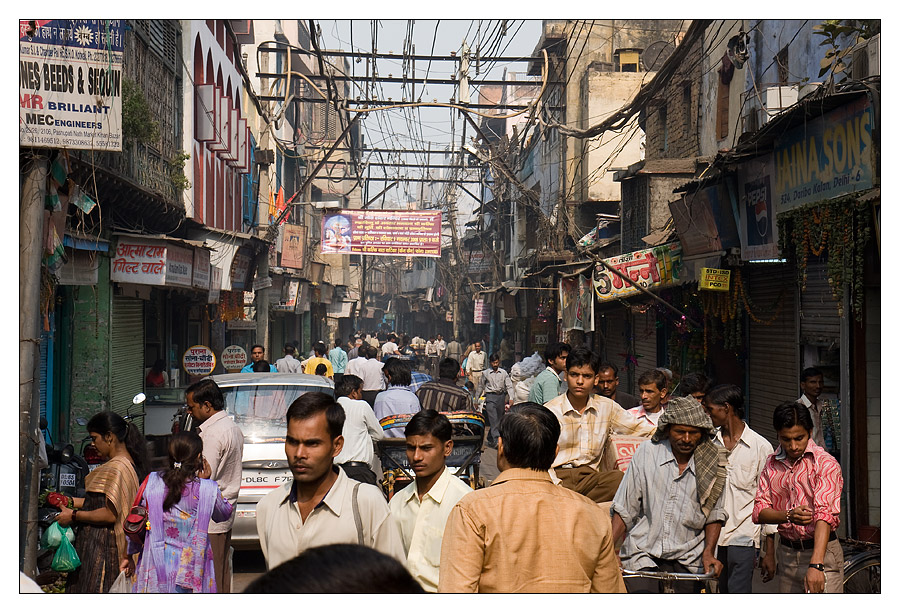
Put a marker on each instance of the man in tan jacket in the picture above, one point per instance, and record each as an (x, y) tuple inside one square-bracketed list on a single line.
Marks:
[(492, 543)]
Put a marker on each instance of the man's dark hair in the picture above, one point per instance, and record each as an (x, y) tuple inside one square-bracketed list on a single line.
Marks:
[(530, 433), (398, 371), (371, 352), (289, 349), (494, 357), (319, 348), (348, 385), (321, 369), (730, 393), (695, 382), (311, 404), (608, 366), (790, 414), (255, 346), (261, 366), (448, 369), (656, 377), (337, 341), (429, 421), (337, 569), (810, 372), (582, 356), (206, 390), (554, 350)]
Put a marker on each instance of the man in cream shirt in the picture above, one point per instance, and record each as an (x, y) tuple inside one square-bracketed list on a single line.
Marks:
[(322, 505), (420, 510)]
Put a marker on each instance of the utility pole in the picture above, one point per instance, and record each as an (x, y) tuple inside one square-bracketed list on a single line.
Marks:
[(31, 234)]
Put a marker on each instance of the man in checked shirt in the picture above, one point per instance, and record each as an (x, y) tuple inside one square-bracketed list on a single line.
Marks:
[(585, 421)]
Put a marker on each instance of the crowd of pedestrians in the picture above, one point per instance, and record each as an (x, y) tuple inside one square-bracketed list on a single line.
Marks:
[(699, 491)]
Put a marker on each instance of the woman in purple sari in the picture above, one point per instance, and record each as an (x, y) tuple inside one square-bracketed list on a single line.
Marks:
[(176, 556)]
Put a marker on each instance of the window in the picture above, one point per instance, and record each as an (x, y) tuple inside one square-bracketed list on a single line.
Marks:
[(722, 98), (782, 61)]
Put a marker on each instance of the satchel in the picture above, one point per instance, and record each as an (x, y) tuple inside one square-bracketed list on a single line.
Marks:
[(135, 524)]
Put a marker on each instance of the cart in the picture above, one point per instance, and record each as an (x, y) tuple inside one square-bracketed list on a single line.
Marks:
[(464, 460)]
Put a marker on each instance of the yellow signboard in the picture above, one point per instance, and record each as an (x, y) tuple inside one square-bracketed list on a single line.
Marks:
[(715, 279)]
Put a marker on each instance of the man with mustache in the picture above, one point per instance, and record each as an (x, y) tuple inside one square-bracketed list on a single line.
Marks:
[(669, 504), (322, 505)]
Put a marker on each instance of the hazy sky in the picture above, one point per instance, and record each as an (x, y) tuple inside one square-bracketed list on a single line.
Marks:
[(426, 128)]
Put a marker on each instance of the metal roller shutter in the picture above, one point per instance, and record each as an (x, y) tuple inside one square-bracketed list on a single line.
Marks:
[(644, 328), (820, 323), (126, 355), (614, 342), (773, 349)]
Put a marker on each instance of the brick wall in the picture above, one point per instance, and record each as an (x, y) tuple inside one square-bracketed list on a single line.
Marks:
[(671, 118)]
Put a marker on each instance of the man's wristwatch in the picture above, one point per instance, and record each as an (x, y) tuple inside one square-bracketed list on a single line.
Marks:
[(820, 567)]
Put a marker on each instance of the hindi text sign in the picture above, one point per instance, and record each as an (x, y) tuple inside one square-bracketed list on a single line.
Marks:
[(399, 233), (198, 360), (234, 358)]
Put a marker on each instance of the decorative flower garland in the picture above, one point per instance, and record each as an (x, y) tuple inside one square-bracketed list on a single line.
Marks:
[(841, 228)]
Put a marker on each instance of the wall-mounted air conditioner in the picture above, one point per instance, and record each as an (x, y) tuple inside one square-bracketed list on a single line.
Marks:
[(866, 60), (510, 270)]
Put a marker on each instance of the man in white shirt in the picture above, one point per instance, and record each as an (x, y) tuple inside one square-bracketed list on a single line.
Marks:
[(421, 508), (372, 376), (322, 505), (811, 382), (390, 347), (288, 363), (361, 429), (223, 449), (738, 544), (654, 386), (441, 346), (431, 357), (476, 362)]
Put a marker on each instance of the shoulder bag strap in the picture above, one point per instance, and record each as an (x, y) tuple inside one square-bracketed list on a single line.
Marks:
[(140, 492), (356, 518)]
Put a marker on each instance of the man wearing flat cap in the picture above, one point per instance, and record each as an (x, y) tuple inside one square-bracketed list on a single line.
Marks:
[(669, 503)]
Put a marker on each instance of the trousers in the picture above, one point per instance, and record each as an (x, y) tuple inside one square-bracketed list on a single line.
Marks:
[(738, 562), (221, 543), (599, 486), (494, 407), (793, 564)]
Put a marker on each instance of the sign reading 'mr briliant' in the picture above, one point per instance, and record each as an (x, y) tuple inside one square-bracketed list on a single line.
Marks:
[(70, 83)]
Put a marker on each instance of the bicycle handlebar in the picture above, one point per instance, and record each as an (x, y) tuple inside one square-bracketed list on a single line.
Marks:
[(661, 574)]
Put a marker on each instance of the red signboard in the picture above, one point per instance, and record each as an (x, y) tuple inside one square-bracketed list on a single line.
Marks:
[(406, 233)]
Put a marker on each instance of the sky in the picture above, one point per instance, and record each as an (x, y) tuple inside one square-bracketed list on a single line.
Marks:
[(426, 128)]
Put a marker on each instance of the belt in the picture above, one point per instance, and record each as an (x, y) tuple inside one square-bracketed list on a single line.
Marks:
[(496, 393), (804, 543), (355, 464), (567, 465)]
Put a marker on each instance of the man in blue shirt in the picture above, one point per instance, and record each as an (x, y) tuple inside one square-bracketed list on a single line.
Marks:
[(547, 385), (256, 354), (398, 398), (338, 359)]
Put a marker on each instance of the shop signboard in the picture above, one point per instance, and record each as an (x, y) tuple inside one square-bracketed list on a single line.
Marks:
[(240, 270), (70, 83), (655, 267), (482, 311), (198, 360), (234, 358), (406, 233), (715, 279), (215, 284), (759, 230), (139, 260), (179, 266), (200, 278)]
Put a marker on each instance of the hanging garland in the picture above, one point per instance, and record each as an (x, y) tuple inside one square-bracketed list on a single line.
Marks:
[(839, 228), (728, 308)]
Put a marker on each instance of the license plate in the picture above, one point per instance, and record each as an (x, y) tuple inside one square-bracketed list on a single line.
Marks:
[(249, 514)]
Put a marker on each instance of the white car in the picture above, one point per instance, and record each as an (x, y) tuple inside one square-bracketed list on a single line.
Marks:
[(258, 403)]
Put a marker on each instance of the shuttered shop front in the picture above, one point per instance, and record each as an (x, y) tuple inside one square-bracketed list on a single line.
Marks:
[(773, 348), (126, 356), (820, 323)]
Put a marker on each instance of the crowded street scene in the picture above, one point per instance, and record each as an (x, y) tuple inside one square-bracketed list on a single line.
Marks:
[(450, 306)]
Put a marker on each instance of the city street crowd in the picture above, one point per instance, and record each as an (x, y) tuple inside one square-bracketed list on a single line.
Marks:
[(596, 487)]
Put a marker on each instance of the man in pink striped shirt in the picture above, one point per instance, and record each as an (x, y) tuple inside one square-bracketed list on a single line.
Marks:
[(800, 490)]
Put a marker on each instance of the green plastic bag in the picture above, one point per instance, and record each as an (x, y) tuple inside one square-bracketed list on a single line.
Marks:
[(66, 558), (54, 534)]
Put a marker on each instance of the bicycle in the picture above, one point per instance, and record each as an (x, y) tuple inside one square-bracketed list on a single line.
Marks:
[(862, 567)]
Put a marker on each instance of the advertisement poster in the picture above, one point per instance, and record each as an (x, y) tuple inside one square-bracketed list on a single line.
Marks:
[(198, 360), (655, 267), (70, 83), (234, 358), (759, 230), (293, 246), (406, 233), (482, 311), (576, 302)]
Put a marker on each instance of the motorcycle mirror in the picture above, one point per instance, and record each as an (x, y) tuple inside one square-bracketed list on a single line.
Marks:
[(67, 453), (138, 399)]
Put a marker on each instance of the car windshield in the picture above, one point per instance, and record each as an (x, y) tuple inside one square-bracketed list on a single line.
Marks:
[(260, 410)]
